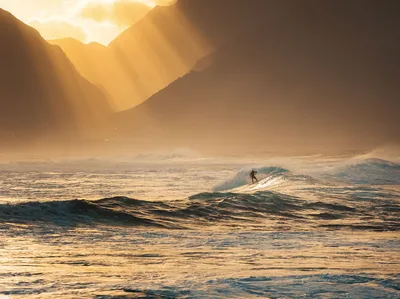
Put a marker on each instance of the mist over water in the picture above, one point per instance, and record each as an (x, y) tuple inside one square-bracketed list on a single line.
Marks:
[(183, 225), (125, 169)]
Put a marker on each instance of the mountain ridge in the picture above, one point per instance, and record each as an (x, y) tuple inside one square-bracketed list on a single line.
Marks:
[(164, 45), (319, 82), (42, 93)]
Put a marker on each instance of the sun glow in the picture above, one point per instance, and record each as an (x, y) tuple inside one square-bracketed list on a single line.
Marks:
[(162, 47), (149, 3), (85, 20)]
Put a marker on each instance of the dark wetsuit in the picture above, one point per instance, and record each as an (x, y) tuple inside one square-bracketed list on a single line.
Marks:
[(253, 176)]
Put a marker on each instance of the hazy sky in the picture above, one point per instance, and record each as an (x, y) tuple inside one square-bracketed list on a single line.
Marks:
[(85, 20)]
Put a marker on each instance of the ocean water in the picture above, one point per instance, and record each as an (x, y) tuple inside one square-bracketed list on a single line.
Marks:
[(192, 227)]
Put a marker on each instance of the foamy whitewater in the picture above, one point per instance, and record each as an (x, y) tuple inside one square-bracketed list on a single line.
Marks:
[(183, 226)]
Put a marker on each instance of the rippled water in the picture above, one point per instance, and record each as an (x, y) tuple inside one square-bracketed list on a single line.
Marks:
[(200, 230)]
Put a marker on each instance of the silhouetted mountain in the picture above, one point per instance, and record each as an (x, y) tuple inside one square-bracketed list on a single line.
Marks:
[(87, 58), (309, 74), (164, 45), (167, 43), (41, 92)]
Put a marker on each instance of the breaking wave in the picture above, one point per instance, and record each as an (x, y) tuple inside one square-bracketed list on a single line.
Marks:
[(242, 178), (264, 209), (281, 200), (269, 178), (368, 171)]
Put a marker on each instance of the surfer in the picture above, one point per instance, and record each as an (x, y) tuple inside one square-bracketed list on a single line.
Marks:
[(253, 176)]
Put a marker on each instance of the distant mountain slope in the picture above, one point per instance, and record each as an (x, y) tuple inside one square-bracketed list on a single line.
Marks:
[(165, 45), (321, 74), (41, 92), (87, 58)]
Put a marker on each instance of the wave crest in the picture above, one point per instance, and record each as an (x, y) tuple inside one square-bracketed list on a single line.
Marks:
[(369, 171), (243, 177), (265, 210)]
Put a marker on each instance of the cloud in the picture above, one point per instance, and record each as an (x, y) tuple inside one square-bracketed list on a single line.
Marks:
[(121, 12), (55, 28)]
